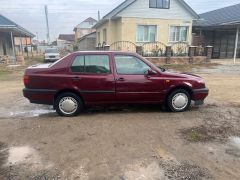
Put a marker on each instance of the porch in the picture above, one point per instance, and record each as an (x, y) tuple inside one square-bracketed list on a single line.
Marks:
[(224, 39)]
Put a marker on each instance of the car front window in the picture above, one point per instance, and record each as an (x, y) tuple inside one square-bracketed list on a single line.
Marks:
[(51, 51), (130, 65)]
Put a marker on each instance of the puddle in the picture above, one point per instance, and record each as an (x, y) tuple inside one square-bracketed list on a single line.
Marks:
[(234, 147), (31, 113), (24, 109), (22, 155)]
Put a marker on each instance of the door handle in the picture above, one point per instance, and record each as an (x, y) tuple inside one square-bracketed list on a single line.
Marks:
[(76, 78), (121, 79)]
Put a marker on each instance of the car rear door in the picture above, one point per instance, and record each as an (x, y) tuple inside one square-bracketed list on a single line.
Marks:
[(132, 84), (92, 75)]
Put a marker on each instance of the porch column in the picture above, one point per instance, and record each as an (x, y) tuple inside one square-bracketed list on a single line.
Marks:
[(26, 46), (31, 46), (236, 45), (21, 44), (13, 47)]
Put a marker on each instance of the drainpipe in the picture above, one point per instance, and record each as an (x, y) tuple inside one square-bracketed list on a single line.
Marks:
[(13, 47), (236, 45)]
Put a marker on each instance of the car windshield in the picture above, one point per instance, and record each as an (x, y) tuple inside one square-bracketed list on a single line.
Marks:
[(51, 51)]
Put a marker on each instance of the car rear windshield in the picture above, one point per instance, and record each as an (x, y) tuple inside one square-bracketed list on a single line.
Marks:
[(51, 51)]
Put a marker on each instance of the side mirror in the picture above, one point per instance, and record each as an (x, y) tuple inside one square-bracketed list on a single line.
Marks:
[(150, 72)]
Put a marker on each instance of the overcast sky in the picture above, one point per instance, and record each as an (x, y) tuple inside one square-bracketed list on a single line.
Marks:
[(65, 14)]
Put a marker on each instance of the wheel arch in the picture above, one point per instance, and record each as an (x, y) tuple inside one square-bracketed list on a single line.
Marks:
[(184, 87), (68, 91)]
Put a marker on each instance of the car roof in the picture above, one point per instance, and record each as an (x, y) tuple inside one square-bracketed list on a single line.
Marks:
[(103, 52)]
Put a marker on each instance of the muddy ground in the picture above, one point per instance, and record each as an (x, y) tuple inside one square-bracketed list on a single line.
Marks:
[(128, 143)]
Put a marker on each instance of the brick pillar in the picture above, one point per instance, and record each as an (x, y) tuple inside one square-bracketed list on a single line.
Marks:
[(168, 54), (192, 51), (209, 51), (139, 50)]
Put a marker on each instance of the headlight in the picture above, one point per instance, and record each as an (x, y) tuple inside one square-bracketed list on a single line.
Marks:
[(201, 81)]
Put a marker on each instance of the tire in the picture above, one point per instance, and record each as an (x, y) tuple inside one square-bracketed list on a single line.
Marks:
[(178, 101), (68, 104)]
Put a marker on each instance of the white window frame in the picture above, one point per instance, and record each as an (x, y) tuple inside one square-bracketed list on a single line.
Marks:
[(156, 33), (169, 33)]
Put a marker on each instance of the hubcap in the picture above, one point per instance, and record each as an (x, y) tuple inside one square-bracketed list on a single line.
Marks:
[(180, 101), (68, 105)]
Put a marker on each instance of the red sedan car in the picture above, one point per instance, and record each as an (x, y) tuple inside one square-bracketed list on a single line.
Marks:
[(85, 79)]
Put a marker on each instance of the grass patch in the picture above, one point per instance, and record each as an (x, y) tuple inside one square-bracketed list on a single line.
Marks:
[(197, 134), (4, 73), (13, 73), (208, 133)]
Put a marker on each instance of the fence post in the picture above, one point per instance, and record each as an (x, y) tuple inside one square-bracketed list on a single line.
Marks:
[(168, 54), (107, 47), (209, 51), (139, 50), (192, 51)]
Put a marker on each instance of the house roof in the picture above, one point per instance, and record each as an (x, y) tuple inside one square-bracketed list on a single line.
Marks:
[(90, 19), (83, 24), (127, 3), (67, 37), (90, 35), (8, 24), (221, 17)]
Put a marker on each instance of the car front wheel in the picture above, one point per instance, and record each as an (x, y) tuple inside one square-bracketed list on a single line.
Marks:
[(179, 100), (68, 104)]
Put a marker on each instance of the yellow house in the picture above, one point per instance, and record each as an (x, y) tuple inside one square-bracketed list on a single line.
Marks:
[(142, 21)]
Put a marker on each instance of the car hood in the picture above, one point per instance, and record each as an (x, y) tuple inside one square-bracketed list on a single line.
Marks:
[(51, 54), (182, 75)]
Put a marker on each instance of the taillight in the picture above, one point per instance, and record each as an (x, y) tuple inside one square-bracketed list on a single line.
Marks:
[(26, 80)]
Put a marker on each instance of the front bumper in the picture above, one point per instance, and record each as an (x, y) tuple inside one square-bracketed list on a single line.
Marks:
[(200, 94)]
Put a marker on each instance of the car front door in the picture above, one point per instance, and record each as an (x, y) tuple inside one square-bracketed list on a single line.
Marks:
[(93, 76), (133, 85)]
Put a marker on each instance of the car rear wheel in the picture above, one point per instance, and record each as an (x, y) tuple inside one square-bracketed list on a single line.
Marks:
[(179, 100), (68, 104)]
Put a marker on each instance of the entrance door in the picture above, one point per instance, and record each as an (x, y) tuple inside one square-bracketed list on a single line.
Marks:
[(132, 83), (92, 76)]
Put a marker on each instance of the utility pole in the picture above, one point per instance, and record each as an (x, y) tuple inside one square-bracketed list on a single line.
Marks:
[(46, 14), (37, 36), (99, 17)]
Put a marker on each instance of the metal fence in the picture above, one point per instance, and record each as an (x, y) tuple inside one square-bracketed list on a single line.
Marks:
[(180, 49), (123, 46), (154, 49)]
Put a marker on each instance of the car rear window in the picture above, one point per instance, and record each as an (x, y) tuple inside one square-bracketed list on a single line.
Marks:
[(92, 64)]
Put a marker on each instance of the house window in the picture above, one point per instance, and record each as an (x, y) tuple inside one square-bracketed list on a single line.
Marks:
[(161, 4), (146, 33), (178, 34), (105, 35)]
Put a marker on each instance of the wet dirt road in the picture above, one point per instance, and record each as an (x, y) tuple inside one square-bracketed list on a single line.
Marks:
[(125, 143)]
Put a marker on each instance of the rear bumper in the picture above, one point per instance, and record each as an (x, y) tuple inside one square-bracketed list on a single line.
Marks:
[(40, 96), (200, 94)]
